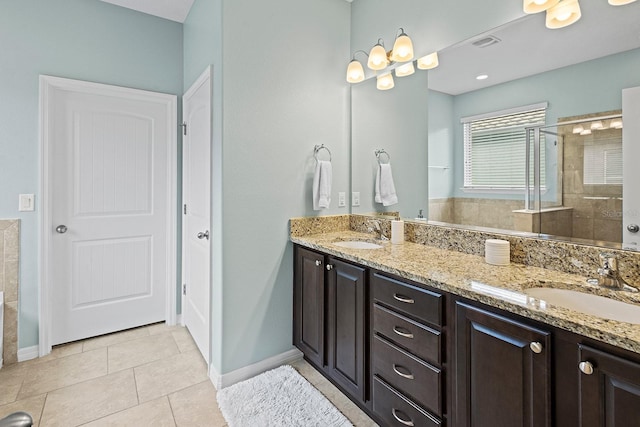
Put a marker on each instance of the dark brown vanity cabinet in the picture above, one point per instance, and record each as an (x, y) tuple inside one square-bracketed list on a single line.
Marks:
[(609, 389), (503, 371), (406, 353), (309, 305), (330, 320)]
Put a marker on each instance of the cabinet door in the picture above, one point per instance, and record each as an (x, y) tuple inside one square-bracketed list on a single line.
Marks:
[(609, 390), (501, 378), (309, 309), (346, 323)]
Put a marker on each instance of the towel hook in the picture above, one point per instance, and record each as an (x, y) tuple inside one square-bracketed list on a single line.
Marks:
[(379, 153), (318, 148)]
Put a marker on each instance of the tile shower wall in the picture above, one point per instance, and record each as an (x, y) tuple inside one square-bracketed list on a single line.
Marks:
[(481, 212), (9, 267)]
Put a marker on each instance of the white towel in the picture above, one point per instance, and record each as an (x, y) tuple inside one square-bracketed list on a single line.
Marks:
[(385, 189), (322, 185)]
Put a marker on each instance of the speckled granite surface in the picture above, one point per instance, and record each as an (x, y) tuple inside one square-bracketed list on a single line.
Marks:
[(460, 269)]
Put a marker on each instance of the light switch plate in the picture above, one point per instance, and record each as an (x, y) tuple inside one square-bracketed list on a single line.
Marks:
[(342, 199), (26, 203), (355, 198)]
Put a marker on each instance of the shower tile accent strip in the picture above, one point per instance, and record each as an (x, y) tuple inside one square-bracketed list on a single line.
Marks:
[(452, 259), (9, 268)]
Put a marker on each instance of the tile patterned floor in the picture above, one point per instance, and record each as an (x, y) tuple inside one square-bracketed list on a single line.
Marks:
[(148, 376)]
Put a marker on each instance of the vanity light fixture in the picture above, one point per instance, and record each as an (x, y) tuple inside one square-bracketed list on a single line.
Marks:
[(428, 62), (535, 6), (596, 125), (379, 60), (586, 132), (616, 123), (563, 14), (620, 2), (578, 129), (384, 81)]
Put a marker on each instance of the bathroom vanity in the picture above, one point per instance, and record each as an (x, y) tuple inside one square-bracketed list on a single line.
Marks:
[(421, 336)]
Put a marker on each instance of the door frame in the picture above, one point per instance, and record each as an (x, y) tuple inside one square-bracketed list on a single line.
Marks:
[(47, 85)]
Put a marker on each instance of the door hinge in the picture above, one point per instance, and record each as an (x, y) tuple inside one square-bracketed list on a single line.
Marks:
[(184, 128), (184, 208), (184, 289)]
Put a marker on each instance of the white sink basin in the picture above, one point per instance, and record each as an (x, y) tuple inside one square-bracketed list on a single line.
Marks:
[(588, 303), (357, 244)]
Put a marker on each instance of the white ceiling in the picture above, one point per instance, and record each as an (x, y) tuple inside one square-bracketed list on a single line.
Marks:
[(175, 10), (527, 47)]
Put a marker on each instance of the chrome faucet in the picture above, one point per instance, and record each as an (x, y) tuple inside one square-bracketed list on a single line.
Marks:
[(375, 225), (609, 276)]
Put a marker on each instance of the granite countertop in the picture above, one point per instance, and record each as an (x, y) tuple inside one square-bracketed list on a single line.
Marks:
[(498, 286)]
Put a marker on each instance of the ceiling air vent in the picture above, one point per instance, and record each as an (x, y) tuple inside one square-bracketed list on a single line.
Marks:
[(486, 41)]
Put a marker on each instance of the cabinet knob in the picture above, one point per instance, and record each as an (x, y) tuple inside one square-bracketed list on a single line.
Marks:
[(536, 347), (586, 368), (318, 262), (329, 267), (395, 412)]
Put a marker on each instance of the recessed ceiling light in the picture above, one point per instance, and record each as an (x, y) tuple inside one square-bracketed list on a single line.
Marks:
[(482, 77)]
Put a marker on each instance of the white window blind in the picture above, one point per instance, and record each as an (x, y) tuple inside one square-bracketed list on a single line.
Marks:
[(603, 161), (495, 149)]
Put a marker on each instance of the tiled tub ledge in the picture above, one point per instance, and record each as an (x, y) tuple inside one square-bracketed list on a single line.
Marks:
[(468, 275)]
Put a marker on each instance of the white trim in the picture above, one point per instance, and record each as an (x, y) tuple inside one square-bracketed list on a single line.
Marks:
[(28, 353), (514, 110), (225, 380), (47, 84), (498, 190), (179, 320)]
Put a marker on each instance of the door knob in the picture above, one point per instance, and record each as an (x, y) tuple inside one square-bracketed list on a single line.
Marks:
[(61, 229), (586, 368), (202, 235), (536, 347)]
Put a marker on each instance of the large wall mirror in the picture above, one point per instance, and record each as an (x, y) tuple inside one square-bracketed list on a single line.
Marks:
[(573, 77)]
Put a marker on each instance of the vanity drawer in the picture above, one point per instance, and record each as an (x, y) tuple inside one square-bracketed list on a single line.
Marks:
[(398, 411), (408, 374), (420, 340), (416, 302)]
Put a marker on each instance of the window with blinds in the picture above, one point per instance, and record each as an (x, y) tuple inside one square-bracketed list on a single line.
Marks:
[(495, 148), (603, 161)]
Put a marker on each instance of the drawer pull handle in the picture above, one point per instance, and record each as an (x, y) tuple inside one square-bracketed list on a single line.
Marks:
[(400, 331), (318, 262), (394, 412), (402, 298), (586, 368), (408, 376)]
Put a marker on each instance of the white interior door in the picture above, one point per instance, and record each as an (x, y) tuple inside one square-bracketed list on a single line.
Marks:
[(196, 229), (110, 198), (630, 170)]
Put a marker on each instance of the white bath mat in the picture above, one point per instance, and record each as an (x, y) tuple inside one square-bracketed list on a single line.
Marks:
[(280, 397)]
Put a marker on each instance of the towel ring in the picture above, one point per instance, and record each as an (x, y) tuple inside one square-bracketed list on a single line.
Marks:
[(379, 153), (318, 148)]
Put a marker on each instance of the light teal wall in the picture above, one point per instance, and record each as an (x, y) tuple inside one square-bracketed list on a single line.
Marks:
[(441, 139), (203, 48), (79, 39), (278, 90), (588, 87)]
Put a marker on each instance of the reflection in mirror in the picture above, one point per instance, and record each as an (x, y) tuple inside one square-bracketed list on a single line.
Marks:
[(576, 73)]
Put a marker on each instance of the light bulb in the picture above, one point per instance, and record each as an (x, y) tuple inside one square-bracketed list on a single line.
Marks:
[(405, 70), (578, 129), (355, 72), (596, 125), (563, 14), (586, 132), (428, 62), (616, 123), (402, 49), (377, 58), (384, 81)]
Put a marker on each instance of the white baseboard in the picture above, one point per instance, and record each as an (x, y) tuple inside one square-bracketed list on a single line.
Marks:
[(225, 380), (179, 320), (28, 353)]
